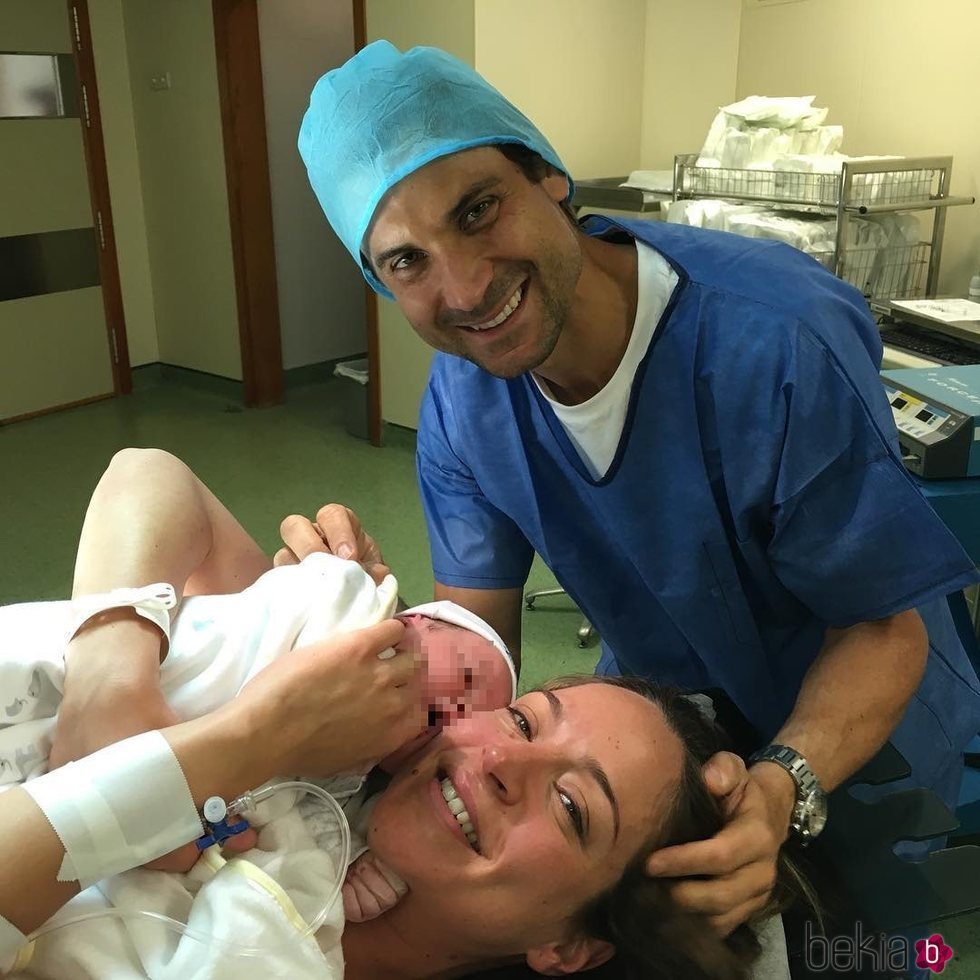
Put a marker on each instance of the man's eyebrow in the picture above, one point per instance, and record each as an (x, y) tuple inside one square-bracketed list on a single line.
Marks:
[(468, 198), (591, 765), (465, 202), (390, 253)]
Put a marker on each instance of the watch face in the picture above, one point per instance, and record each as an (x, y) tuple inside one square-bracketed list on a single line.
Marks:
[(814, 812)]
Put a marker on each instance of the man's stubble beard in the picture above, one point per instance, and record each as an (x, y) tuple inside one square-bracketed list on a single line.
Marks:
[(555, 307)]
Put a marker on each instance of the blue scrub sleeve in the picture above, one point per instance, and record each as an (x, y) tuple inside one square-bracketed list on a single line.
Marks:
[(473, 544), (853, 538)]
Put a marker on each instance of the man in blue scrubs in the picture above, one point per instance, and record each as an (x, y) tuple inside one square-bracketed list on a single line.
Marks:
[(687, 426)]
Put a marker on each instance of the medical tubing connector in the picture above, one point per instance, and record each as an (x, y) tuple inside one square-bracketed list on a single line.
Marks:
[(245, 802)]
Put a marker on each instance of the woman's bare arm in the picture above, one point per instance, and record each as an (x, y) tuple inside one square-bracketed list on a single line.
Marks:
[(329, 708)]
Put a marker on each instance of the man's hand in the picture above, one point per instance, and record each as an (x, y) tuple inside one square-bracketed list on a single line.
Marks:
[(741, 859), (370, 889), (336, 531)]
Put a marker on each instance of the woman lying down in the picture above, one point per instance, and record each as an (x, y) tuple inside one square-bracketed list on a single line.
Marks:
[(506, 832)]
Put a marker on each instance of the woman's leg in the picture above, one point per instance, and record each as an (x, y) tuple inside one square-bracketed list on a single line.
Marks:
[(151, 519)]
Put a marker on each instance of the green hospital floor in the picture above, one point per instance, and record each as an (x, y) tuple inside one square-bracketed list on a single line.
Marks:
[(264, 464)]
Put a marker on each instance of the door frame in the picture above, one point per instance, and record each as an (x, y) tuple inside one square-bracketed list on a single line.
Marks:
[(236, 44), (98, 179), (236, 38), (370, 296)]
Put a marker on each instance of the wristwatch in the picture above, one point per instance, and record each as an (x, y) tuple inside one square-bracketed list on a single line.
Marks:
[(809, 815)]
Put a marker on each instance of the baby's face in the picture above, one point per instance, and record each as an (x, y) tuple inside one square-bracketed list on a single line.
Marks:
[(463, 671)]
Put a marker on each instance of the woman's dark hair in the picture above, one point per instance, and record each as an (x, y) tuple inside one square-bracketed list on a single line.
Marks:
[(653, 937)]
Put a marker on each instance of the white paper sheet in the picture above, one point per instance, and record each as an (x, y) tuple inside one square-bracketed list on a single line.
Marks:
[(946, 310)]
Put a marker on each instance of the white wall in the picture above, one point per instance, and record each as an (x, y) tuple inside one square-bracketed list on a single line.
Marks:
[(404, 358), (575, 69), (902, 76), (321, 291), (185, 192), (691, 63)]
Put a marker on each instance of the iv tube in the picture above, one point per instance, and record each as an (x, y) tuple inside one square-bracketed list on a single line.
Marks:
[(246, 801)]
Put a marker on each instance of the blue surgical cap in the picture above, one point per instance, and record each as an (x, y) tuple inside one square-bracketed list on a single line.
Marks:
[(383, 115)]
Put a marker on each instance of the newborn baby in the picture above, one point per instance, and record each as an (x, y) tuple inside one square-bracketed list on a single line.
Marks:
[(466, 666)]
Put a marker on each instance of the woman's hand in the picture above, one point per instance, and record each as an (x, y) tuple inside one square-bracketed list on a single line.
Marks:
[(112, 691), (334, 706), (336, 531)]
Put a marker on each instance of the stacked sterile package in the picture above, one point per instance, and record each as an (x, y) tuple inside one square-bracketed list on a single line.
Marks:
[(781, 148), (881, 253), (815, 178), (759, 130)]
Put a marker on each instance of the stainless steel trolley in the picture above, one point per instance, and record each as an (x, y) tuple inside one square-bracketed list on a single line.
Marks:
[(863, 187)]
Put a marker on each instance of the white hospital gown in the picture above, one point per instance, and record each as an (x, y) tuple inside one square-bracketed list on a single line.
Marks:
[(262, 898)]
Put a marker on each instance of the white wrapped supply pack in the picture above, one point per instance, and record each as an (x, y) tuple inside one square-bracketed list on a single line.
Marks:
[(898, 264), (759, 130), (793, 176), (705, 213), (781, 148), (657, 181), (880, 251)]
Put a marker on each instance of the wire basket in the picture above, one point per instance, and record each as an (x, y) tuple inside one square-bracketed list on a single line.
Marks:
[(893, 270), (892, 185)]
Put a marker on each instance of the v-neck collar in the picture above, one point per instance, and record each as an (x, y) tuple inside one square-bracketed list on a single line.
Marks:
[(558, 432)]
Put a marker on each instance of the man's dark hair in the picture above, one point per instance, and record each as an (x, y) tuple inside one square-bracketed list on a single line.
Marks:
[(535, 168)]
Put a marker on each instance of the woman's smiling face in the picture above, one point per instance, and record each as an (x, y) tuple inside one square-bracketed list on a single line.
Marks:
[(561, 789)]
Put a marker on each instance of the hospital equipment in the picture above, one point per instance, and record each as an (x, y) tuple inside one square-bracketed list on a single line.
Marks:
[(586, 631), (872, 186), (217, 819), (243, 804), (885, 256), (937, 411), (923, 333)]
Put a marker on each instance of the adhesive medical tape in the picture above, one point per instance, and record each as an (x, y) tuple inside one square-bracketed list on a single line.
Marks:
[(126, 804)]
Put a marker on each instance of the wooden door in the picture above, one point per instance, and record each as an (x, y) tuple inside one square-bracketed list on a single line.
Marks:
[(57, 345)]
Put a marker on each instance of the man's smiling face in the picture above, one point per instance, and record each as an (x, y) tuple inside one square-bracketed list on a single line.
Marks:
[(482, 261)]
